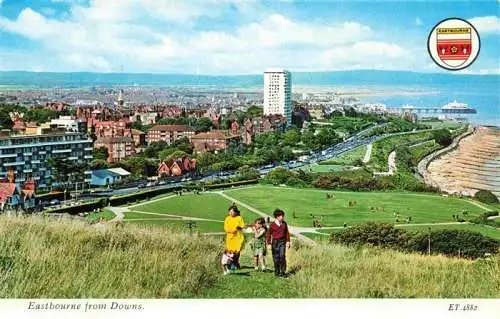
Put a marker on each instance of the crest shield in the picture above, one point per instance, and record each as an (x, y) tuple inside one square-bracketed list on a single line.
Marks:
[(454, 45)]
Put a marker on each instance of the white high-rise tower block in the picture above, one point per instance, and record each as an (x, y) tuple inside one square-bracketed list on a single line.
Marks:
[(278, 93)]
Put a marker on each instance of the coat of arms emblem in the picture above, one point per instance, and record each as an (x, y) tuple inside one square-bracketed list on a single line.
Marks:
[(453, 44)]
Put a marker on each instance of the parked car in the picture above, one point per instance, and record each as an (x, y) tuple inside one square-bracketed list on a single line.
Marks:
[(55, 201)]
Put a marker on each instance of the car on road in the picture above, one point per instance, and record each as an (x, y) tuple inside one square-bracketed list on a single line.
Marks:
[(55, 201)]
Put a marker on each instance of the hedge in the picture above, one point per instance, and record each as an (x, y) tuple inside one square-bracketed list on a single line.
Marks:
[(450, 242), (486, 197), (73, 210), (50, 196), (224, 185), (120, 200)]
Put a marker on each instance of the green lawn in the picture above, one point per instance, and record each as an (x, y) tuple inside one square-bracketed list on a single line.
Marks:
[(422, 208), (317, 237), (347, 158), (107, 214), (323, 168), (199, 226), (382, 148), (209, 206)]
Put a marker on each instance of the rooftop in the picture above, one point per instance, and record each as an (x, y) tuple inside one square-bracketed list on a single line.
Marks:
[(215, 134), (172, 128)]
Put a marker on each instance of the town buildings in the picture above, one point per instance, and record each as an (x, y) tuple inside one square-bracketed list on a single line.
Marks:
[(214, 141), (117, 137), (109, 176), (119, 147), (27, 154), (177, 167), (15, 196), (278, 93), (70, 124), (169, 133)]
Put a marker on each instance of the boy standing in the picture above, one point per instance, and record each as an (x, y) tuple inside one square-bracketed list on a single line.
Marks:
[(278, 237)]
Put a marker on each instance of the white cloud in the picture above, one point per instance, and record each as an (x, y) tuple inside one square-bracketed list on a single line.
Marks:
[(418, 21), (486, 24), (157, 36)]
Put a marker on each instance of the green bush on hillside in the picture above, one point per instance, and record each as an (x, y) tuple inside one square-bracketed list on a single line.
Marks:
[(374, 234), (454, 242), (486, 196), (483, 219), (442, 137), (449, 242)]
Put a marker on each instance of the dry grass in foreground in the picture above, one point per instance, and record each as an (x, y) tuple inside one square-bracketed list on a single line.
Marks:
[(328, 271), (49, 259)]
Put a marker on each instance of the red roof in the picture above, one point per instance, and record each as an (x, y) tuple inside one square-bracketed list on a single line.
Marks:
[(172, 128)]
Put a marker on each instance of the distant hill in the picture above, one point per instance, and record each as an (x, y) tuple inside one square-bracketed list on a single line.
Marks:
[(358, 77)]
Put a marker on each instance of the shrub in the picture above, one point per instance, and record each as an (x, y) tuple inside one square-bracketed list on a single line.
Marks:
[(120, 200), (483, 219), (454, 242), (375, 234), (486, 196), (448, 242), (239, 183), (442, 136), (86, 207)]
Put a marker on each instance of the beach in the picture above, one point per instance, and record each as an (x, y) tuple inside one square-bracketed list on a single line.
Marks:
[(472, 166)]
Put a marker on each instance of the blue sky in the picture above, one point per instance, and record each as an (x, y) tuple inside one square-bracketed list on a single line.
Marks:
[(233, 36)]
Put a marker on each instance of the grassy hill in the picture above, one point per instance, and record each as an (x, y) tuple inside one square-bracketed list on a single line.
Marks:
[(68, 259)]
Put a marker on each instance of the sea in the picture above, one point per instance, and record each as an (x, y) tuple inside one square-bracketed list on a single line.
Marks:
[(393, 88)]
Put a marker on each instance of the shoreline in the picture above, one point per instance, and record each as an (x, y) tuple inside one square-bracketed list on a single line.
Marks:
[(470, 166)]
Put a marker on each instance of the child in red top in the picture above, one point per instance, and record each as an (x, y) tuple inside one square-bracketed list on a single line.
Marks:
[(278, 238)]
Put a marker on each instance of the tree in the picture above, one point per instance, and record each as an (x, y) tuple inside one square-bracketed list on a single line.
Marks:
[(99, 164), (5, 121), (310, 140), (176, 155), (101, 153), (183, 144), (247, 173), (154, 148), (137, 125), (40, 115), (442, 137), (279, 176), (139, 166), (205, 160), (254, 111), (486, 196), (291, 137), (66, 172), (203, 124)]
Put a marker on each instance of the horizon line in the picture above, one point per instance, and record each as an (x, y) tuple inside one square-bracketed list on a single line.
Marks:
[(248, 74)]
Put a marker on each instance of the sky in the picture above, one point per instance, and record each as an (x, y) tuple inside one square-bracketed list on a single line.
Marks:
[(234, 36)]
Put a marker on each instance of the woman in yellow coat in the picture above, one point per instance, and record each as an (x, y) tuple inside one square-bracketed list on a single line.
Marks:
[(233, 226)]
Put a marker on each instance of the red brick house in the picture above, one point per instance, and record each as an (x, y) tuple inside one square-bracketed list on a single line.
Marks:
[(178, 167), (169, 133), (119, 147), (213, 141), (139, 137)]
